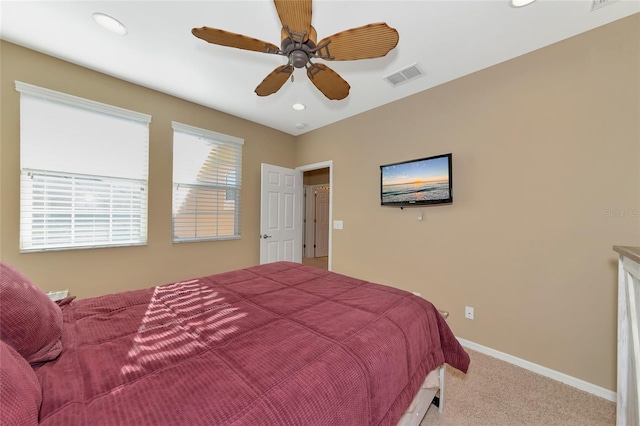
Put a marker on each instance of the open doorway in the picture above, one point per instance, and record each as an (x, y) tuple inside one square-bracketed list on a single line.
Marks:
[(316, 238)]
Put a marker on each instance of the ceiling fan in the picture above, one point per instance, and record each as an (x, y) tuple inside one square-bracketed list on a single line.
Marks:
[(299, 44)]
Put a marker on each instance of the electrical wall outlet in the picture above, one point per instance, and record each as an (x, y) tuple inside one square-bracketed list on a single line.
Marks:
[(468, 312)]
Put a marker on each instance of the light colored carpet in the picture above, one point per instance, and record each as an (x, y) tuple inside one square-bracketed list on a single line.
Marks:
[(318, 262), (496, 393)]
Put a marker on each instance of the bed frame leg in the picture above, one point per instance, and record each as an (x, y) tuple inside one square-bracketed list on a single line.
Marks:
[(440, 403)]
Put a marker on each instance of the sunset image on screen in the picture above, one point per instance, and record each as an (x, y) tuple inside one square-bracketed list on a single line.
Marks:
[(426, 180)]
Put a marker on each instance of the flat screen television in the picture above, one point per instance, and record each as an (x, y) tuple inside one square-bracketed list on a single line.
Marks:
[(417, 182)]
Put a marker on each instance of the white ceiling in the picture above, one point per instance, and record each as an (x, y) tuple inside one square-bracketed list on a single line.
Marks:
[(446, 38)]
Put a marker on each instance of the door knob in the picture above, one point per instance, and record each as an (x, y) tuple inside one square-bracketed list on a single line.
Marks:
[(265, 236)]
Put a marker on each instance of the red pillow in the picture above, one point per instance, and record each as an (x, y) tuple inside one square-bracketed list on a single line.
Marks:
[(30, 321), (20, 390)]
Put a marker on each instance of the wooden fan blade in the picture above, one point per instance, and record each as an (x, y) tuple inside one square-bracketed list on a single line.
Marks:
[(366, 42), (239, 41), (295, 15), (274, 81), (328, 82)]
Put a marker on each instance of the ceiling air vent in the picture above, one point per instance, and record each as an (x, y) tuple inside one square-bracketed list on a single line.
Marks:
[(597, 4), (410, 73)]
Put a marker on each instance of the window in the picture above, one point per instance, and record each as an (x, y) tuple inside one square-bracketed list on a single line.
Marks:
[(84, 171), (206, 184)]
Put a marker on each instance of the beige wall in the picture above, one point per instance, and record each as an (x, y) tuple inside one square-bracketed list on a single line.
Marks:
[(99, 271), (545, 148)]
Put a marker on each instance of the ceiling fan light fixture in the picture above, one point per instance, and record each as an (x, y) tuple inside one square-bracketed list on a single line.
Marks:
[(109, 23), (298, 107), (521, 3)]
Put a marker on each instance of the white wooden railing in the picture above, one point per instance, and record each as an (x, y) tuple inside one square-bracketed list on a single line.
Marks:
[(628, 409)]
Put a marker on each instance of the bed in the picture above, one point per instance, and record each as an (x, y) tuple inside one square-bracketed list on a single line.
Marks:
[(280, 343)]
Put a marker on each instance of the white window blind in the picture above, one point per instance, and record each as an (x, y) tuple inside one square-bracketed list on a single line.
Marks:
[(207, 170), (84, 172)]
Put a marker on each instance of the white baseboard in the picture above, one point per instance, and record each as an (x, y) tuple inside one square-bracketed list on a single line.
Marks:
[(544, 371)]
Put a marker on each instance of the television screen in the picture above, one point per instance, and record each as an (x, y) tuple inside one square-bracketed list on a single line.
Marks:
[(417, 182)]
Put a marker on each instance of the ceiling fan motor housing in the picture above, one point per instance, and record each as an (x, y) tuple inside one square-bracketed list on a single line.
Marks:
[(298, 58), (297, 51)]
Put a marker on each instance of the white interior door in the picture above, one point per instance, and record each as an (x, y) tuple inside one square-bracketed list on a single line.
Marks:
[(322, 221), (280, 214)]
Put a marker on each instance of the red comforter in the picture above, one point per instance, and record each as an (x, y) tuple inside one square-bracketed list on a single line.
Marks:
[(277, 344)]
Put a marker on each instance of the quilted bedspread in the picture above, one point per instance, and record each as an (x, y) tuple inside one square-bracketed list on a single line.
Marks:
[(276, 344)]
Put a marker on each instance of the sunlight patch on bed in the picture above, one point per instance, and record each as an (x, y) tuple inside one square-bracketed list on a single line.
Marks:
[(181, 318)]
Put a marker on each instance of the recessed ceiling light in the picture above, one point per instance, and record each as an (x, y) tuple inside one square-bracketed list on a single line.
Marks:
[(301, 125), (109, 23), (298, 107), (520, 3)]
